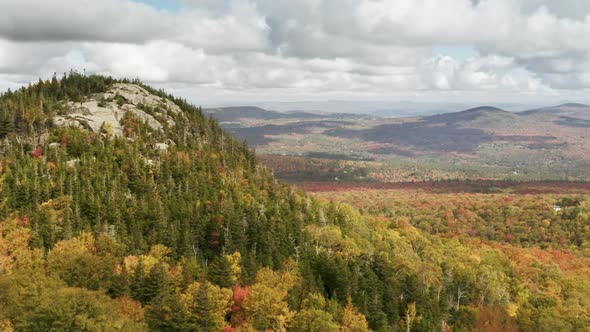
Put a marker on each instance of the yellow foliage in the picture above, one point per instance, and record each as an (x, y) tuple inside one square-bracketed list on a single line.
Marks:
[(331, 237), (267, 306), (84, 243), (130, 263), (353, 320), (235, 262), (280, 280), (220, 299), (6, 326), (130, 309), (159, 251), (246, 327), (512, 309), (51, 166), (14, 243)]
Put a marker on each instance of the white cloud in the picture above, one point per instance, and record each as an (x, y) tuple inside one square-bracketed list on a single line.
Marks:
[(240, 27), (491, 73), (380, 47), (75, 20)]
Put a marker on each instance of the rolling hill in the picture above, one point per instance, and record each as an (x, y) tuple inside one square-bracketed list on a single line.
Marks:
[(573, 110), (543, 144)]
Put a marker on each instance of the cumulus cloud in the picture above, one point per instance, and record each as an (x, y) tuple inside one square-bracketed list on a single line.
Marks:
[(305, 46), (492, 73), (81, 20)]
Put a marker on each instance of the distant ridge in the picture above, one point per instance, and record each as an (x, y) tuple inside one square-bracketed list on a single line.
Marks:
[(228, 114), (235, 113), (576, 105), (484, 109), (568, 107), (465, 115)]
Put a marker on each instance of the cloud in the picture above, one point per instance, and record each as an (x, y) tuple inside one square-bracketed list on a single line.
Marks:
[(81, 20), (238, 28), (573, 9), (302, 47), (492, 73)]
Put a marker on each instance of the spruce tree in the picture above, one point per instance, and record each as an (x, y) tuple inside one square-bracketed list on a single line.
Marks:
[(220, 272), (204, 310)]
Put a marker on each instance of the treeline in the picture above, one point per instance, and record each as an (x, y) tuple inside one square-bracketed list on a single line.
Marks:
[(105, 232)]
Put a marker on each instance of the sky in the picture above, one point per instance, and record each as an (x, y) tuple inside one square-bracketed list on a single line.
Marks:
[(217, 52)]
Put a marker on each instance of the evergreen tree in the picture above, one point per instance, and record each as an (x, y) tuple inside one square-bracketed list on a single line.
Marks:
[(220, 272)]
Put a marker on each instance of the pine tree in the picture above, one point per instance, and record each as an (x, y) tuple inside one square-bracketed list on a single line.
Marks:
[(204, 310), (220, 272)]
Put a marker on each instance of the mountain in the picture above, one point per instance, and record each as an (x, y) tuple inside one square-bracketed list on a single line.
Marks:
[(543, 144), (441, 133), (572, 110), (237, 113), (229, 114), (468, 115), (124, 208), (132, 193)]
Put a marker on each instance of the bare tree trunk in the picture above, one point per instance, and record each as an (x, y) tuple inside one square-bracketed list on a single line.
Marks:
[(459, 296)]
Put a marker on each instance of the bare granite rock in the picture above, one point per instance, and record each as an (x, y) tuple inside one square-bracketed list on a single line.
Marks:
[(109, 108)]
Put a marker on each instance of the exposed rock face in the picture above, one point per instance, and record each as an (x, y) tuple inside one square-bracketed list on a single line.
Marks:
[(109, 108)]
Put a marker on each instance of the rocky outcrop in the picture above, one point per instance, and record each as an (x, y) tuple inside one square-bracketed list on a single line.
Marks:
[(109, 108)]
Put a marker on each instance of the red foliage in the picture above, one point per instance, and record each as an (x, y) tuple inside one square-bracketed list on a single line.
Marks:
[(240, 293), (525, 188), (229, 329), (25, 220), (174, 271), (38, 152), (64, 140), (238, 316)]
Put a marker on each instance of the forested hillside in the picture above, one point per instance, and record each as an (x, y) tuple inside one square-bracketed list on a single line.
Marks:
[(160, 220)]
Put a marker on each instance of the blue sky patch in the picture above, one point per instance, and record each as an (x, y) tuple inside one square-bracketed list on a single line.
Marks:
[(458, 52), (166, 5)]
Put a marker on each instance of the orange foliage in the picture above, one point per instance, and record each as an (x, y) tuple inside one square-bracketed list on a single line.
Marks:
[(495, 319)]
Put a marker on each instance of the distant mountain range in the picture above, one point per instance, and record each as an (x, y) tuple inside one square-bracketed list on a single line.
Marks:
[(399, 108), (234, 113), (552, 140), (580, 111), (231, 114)]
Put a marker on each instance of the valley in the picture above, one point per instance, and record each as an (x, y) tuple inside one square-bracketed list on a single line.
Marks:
[(481, 143)]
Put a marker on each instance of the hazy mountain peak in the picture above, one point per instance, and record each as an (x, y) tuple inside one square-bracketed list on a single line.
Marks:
[(574, 105), (484, 109)]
